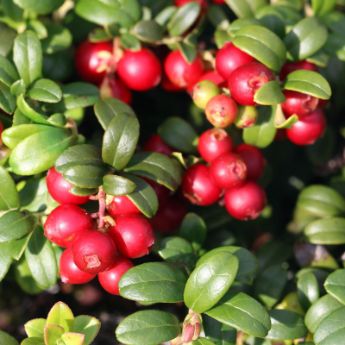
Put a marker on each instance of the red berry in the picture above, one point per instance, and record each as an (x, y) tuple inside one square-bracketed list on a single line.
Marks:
[(156, 144), (245, 202), (69, 271), (140, 70), (308, 129), (94, 251), (213, 76), (254, 160), (298, 103), (221, 111), (115, 88), (199, 187), (59, 189), (246, 80), (133, 235), (295, 66), (214, 143), (122, 205), (162, 192), (219, 2), (65, 223), (229, 58), (110, 279), (92, 60), (228, 171), (180, 72), (180, 3)]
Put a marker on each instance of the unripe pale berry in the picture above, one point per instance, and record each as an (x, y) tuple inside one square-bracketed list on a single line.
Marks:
[(295, 66), (298, 103), (203, 91), (65, 223), (156, 144), (121, 205)]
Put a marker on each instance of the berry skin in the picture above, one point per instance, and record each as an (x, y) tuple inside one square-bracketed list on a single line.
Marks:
[(162, 192), (219, 2), (229, 58), (94, 252), (69, 271), (221, 111), (298, 103), (246, 117), (246, 80), (254, 160), (180, 72), (228, 171), (65, 223), (203, 91), (110, 279), (308, 129), (245, 202), (156, 144), (133, 235), (179, 3), (115, 88), (214, 143), (59, 189), (295, 66), (213, 76), (140, 70), (122, 205), (92, 60), (199, 187)]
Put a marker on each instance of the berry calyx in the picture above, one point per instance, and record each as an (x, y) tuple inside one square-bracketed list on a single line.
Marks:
[(221, 111), (60, 189), (245, 202), (110, 278), (94, 251), (70, 273), (203, 91), (122, 205), (295, 66), (133, 235), (228, 171), (156, 144), (140, 70), (214, 143), (246, 80), (199, 187), (65, 223), (229, 58), (298, 103)]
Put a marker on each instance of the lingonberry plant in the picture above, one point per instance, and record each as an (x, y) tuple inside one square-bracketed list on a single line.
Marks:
[(173, 168)]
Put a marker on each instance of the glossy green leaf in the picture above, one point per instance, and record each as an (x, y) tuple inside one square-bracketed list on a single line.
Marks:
[(35, 328), (17, 247), (269, 94), (281, 121), (39, 7), (58, 38), (5, 259), (8, 73), (165, 15), (87, 325), (9, 198), (6, 339), (245, 8), (60, 314), (210, 280), (52, 334), (335, 285), (7, 100), (71, 338), (33, 341), (79, 95), (202, 341), (148, 31), (307, 289), (129, 41), (45, 90), (24, 279), (118, 185), (321, 7), (193, 228), (148, 327)]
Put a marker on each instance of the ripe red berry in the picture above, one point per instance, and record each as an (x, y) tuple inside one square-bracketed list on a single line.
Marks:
[(162, 192), (214, 143), (199, 187), (65, 223), (295, 66), (69, 271), (122, 205), (228, 171), (110, 279), (246, 80), (213, 76), (245, 202), (140, 70), (254, 160), (180, 3), (308, 129), (94, 251), (229, 58), (298, 103), (156, 144), (221, 111), (133, 235), (92, 60), (59, 189), (219, 2), (180, 72), (115, 88)]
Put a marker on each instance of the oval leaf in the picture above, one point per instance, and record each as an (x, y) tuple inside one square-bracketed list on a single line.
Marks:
[(118, 185), (9, 197), (45, 90), (335, 285), (269, 94)]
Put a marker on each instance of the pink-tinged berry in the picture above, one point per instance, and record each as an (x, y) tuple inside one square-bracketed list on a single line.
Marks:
[(122, 205), (298, 103)]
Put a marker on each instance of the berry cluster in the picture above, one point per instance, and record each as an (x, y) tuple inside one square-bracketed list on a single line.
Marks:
[(102, 249), (231, 172)]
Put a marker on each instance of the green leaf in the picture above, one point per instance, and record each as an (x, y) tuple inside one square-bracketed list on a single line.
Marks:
[(7, 100), (27, 56), (5, 260), (158, 167), (326, 231), (15, 225), (269, 94), (179, 134), (261, 43), (52, 334), (60, 314), (58, 39), (320, 7), (27, 110), (8, 73), (9, 198), (148, 327), (243, 313), (18, 87), (79, 95), (18, 247), (7, 36), (335, 285), (153, 282), (129, 41), (306, 38), (45, 90), (245, 8), (41, 259), (6, 339), (39, 7), (163, 17), (210, 280), (71, 338), (148, 31), (286, 325), (35, 328), (87, 325), (202, 341), (307, 289), (85, 176), (118, 185), (33, 341), (193, 228), (39, 151), (120, 140), (280, 120)]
